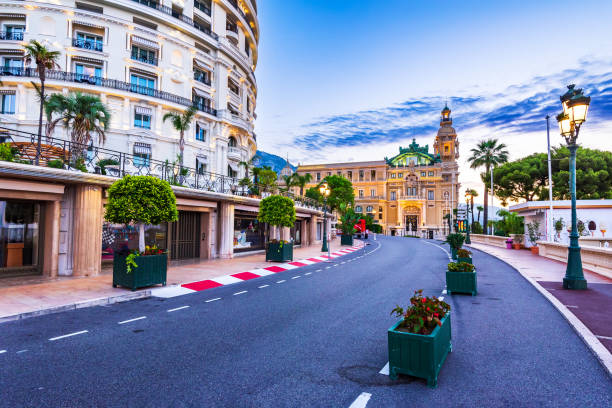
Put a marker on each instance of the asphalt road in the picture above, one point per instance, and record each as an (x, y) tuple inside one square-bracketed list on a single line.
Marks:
[(317, 340)]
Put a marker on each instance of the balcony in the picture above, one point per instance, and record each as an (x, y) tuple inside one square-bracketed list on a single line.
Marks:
[(87, 44), (144, 58), (11, 36), (203, 7), (234, 153), (107, 83), (201, 77), (232, 31)]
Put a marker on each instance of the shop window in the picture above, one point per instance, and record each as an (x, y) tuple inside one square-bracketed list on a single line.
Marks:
[(248, 233), (19, 236)]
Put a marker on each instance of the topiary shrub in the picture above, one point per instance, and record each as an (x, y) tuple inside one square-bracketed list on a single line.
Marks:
[(277, 210), (141, 200)]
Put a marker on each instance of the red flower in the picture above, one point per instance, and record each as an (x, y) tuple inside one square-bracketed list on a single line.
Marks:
[(435, 314), (428, 309), (423, 300)]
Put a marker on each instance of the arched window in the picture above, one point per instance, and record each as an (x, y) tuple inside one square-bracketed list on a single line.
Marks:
[(358, 209), (369, 209), (232, 142), (446, 195)]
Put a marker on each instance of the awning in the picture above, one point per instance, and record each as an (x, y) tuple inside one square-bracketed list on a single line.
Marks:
[(11, 15), (86, 24), (201, 93), (201, 64), (202, 159), (144, 42), (11, 51), (233, 166), (89, 60), (142, 148), (7, 92), (141, 110)]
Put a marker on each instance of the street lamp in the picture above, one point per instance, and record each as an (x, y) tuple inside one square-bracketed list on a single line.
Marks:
[(575, 108), (325, 191), (468, 198)]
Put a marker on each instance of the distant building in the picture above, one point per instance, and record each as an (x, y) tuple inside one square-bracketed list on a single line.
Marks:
[(409, 192)]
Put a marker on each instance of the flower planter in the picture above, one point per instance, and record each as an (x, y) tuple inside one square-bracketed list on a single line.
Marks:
[(453, 253), (152, 270), (461, 282), (346, 239), (419, 355), (535, 250), (509, 244), (279, 252), (516, 246), (468, 260)]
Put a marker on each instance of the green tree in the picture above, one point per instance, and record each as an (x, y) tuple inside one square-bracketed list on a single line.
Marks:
[(593, 174), (45, 60), (315, 194), (267, 179), (488, 153), (341, 192), (473, 193), (479, 208), (181, 122), (522, 179), (277, 211), (301, 181), (83, 114), (141, 200)]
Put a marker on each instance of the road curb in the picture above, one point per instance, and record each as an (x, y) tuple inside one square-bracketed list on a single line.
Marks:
[(79, 305), (599, 350)]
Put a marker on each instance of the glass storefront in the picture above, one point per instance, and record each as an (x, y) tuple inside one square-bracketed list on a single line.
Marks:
[(19, 237), (249, 234), (121, 237), (296, 232)]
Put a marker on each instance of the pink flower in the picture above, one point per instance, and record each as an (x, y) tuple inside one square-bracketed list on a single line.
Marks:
[(423, 300)]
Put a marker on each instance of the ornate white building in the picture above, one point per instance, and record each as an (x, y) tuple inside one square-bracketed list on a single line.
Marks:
[(144, 58)]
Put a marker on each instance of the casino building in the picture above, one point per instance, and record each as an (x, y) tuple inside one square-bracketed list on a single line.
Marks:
[(409, 193)]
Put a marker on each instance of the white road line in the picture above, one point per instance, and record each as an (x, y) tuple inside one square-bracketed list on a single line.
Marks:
[(133, 320), (262, 286), (22, 351), (68, 335), (295, 277), (335, 265), (361, 401), (600, 337), (178, 308), (318, 270), (327, 267), (281, 281), (212, 300), (444, 292), (441, 298), (343, 262), (2, 351), (385, 369), (241, 292), (308, 273), (572, 306)]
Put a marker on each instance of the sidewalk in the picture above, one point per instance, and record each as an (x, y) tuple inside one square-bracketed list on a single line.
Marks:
[(588, 311), (22, 297)]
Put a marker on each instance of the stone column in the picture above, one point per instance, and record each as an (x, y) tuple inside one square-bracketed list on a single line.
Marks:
[(51, 239), (304, 232), (313, 230), (87, 230), (226, 230)]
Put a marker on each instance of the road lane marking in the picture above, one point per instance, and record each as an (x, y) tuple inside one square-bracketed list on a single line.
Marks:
[(68, 335), (444, 292), (385, 369), (178, 308), (281, 281), (262, 286), (295, 277), (342, 262), (212, 300), (308, 273), (241, 292), (22, 351), (361, 401), (600, 337), (2, 351), (441, 298), (133, 320), (318, 270), (572, 306), (327, 267)]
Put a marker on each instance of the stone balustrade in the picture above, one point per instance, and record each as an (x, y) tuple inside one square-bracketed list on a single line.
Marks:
[(595, 259), (489, 240)]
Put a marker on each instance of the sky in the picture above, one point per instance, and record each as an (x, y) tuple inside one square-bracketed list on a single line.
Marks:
[(355, 80)]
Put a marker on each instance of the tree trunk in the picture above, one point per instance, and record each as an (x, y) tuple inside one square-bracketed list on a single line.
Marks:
[(181, 149), (141, 237), (40, 117), (486, 206)]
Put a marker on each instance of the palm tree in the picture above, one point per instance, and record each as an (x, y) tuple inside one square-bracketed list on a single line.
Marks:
[(45, 60), (301, 181), (473, 193), (479, 208), (181, 122), (488, 153), (82, 113)]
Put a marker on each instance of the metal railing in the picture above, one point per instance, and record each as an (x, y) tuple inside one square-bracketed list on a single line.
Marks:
[(87, 44), (233, 27), (201, 77), (11, 36), (107, 83), (144, 58), (202, 7), (113, 163)]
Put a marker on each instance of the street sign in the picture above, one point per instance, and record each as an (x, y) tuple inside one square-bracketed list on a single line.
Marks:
[(461, 214)]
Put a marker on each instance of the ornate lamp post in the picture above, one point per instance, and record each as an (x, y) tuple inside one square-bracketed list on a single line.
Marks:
[(325, 191), (575, 108), (468, 199)]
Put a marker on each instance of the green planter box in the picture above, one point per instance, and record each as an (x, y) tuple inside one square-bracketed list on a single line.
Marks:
[(279, 253), (346, 239), (461, 282), (419, 355), (152, 270), (453, 253), (468, 260)]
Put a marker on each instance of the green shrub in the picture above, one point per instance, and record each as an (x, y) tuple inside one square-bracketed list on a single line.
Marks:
[(277, 210), (460, 267), (423, 314), (56, 164), (348, 221), (455, 240), (106, 162), (79, 164), (8, 153), (463, 253), (477, 228)]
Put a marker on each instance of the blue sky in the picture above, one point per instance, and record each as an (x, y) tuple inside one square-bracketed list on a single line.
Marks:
[(354, 80)]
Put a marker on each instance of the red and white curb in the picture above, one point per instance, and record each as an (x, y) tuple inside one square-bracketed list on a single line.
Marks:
[(172, 291)]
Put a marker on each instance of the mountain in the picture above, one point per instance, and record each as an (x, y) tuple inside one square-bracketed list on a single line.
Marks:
[(275, 162)]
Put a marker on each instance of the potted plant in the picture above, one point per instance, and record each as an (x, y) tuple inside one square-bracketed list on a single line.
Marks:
[(347, 226), (463, 255), (558, 224), (140, 200), (455, 241), (461, 277), (418, 344), (278, 211), (509, 243), (534, 234), (517, 240)]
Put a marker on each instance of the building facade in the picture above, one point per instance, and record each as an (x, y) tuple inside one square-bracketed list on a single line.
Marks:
[(143, 58), (409, 193)]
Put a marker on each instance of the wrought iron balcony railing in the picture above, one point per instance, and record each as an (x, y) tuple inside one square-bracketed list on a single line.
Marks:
[(202, 6), (201, 77), (87, 44), (143, 58), (107, 83), (98, 160), (11, 35)]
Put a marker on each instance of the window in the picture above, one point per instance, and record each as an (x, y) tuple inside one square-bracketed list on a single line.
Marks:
[(369, 209), (446, 149), (358, 209), (249, 105), (423, 174), (144, 23), (360, 193), (360, 175), (233, 86), (373, 192), (400, 175), (201, 76), (393, 196), (142, 84), (13, 32), (430, 174), (88, 73), (142, 154), (232, 142), (380, 213), (372, 174), (318, 176), (201, 102), (247, 48), (12, 66), (339, 173), (430, 195), (88, 41), (232, 109), (446, 195), (231, 172), (144, 55), (89, 7), (8, 103), (200, 133), (349, 175), (393, 175), (329, 173), (142, 117), (201, 165), (202, 5)]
